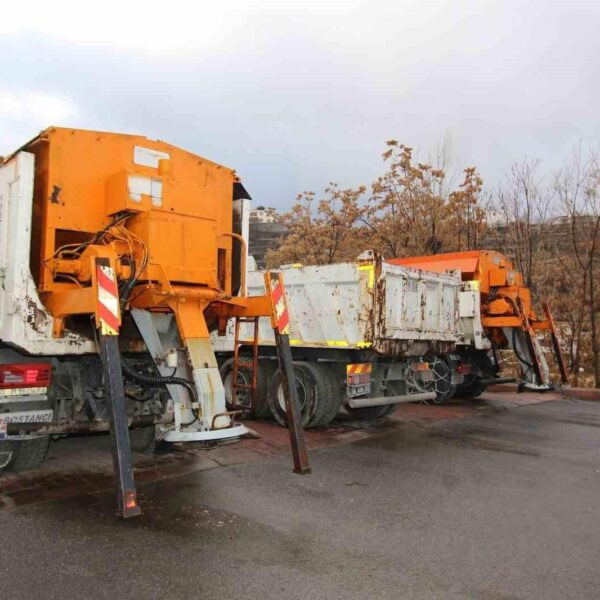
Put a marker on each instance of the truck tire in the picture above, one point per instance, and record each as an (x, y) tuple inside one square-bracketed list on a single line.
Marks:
[(471, 389), (442, 380), (27, 454), (143, 439), (315, 394), (337, 395), (266, 367)]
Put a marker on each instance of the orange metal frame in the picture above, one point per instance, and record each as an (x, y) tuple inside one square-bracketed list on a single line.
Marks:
[(177, 211)]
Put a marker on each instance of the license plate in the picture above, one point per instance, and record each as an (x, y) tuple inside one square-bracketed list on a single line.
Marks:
[(29, 416), (36, 391), (358, 390)]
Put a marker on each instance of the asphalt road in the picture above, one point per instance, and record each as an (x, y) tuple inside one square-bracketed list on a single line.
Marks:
[(500, 506)]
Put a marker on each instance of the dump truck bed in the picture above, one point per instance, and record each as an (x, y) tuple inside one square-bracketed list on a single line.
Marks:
[(391, 309)]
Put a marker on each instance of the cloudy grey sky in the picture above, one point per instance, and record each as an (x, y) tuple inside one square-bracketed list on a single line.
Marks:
[(296, 94)]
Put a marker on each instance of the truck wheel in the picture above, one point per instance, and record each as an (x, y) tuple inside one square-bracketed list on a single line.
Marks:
[(262, 410), (315, 394), (143, 439), (442, 380), (470, 389), (27, 454), (329, 405)]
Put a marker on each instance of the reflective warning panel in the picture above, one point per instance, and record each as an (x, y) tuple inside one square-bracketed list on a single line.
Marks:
[(358, 379)]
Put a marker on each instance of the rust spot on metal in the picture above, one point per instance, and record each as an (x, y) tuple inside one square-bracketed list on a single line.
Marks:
[(36, 317), (54, 197), (402, 348)]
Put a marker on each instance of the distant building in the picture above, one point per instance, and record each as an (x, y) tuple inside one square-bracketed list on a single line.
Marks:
[(265, 233), (263, 214)]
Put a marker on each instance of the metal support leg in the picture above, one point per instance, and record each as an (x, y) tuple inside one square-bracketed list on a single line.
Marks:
[(556, 344), (292, 406), (119, 430), (532, 345)]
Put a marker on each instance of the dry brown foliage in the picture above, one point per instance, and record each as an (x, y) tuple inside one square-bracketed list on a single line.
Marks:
[(406, 213)]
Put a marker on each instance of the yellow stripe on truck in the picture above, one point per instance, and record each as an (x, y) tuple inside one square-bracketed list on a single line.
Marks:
[(358, 368), (371, 269)]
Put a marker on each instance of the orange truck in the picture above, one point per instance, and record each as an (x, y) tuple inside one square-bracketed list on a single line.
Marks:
[(118, 256), (497, 313)]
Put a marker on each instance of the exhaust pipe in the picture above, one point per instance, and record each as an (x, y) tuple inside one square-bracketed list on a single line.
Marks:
[(366, 402)]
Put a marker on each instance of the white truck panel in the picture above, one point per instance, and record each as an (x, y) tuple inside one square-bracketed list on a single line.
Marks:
[(24, 322), (347, 305), (470, 316), (419, 304)]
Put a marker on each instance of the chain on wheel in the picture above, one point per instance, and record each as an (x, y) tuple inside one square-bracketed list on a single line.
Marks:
[(440, 383)]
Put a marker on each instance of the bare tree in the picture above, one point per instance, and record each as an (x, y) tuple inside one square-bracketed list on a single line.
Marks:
[(443, 158), (578, 188), (523, 205)]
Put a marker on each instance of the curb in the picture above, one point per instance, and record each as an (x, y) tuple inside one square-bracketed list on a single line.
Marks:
[(592, 394)]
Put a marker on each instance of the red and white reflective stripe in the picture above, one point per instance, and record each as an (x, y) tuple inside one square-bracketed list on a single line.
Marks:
[(108, 300), (358, 368), (282, 316)]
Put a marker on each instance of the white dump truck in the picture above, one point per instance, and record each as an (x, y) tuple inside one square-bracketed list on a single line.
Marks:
[(365, 335)]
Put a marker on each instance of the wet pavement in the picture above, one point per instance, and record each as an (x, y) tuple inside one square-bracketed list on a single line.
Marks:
[(491, 500)]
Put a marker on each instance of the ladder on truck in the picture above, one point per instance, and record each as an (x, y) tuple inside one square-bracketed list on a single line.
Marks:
[(108, 323), (250, 365)]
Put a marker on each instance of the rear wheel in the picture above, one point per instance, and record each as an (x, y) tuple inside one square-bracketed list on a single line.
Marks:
[(442, 380), (482, 366), (315, 391), (26, 454), (266, 368), (470, 389), (334, 401)]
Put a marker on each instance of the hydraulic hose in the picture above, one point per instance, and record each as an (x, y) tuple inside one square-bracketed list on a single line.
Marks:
[(125, 289), (160, 380)]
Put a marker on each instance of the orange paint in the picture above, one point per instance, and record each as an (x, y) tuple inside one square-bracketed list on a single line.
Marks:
[(500, 284), (178, 211)]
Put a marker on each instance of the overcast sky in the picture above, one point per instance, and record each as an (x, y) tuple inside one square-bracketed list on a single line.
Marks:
[(296, 94)]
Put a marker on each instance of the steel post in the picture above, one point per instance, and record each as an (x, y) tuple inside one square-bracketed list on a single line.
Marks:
[(119, 430), (108, 321), (292, 406), (556, 344)]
